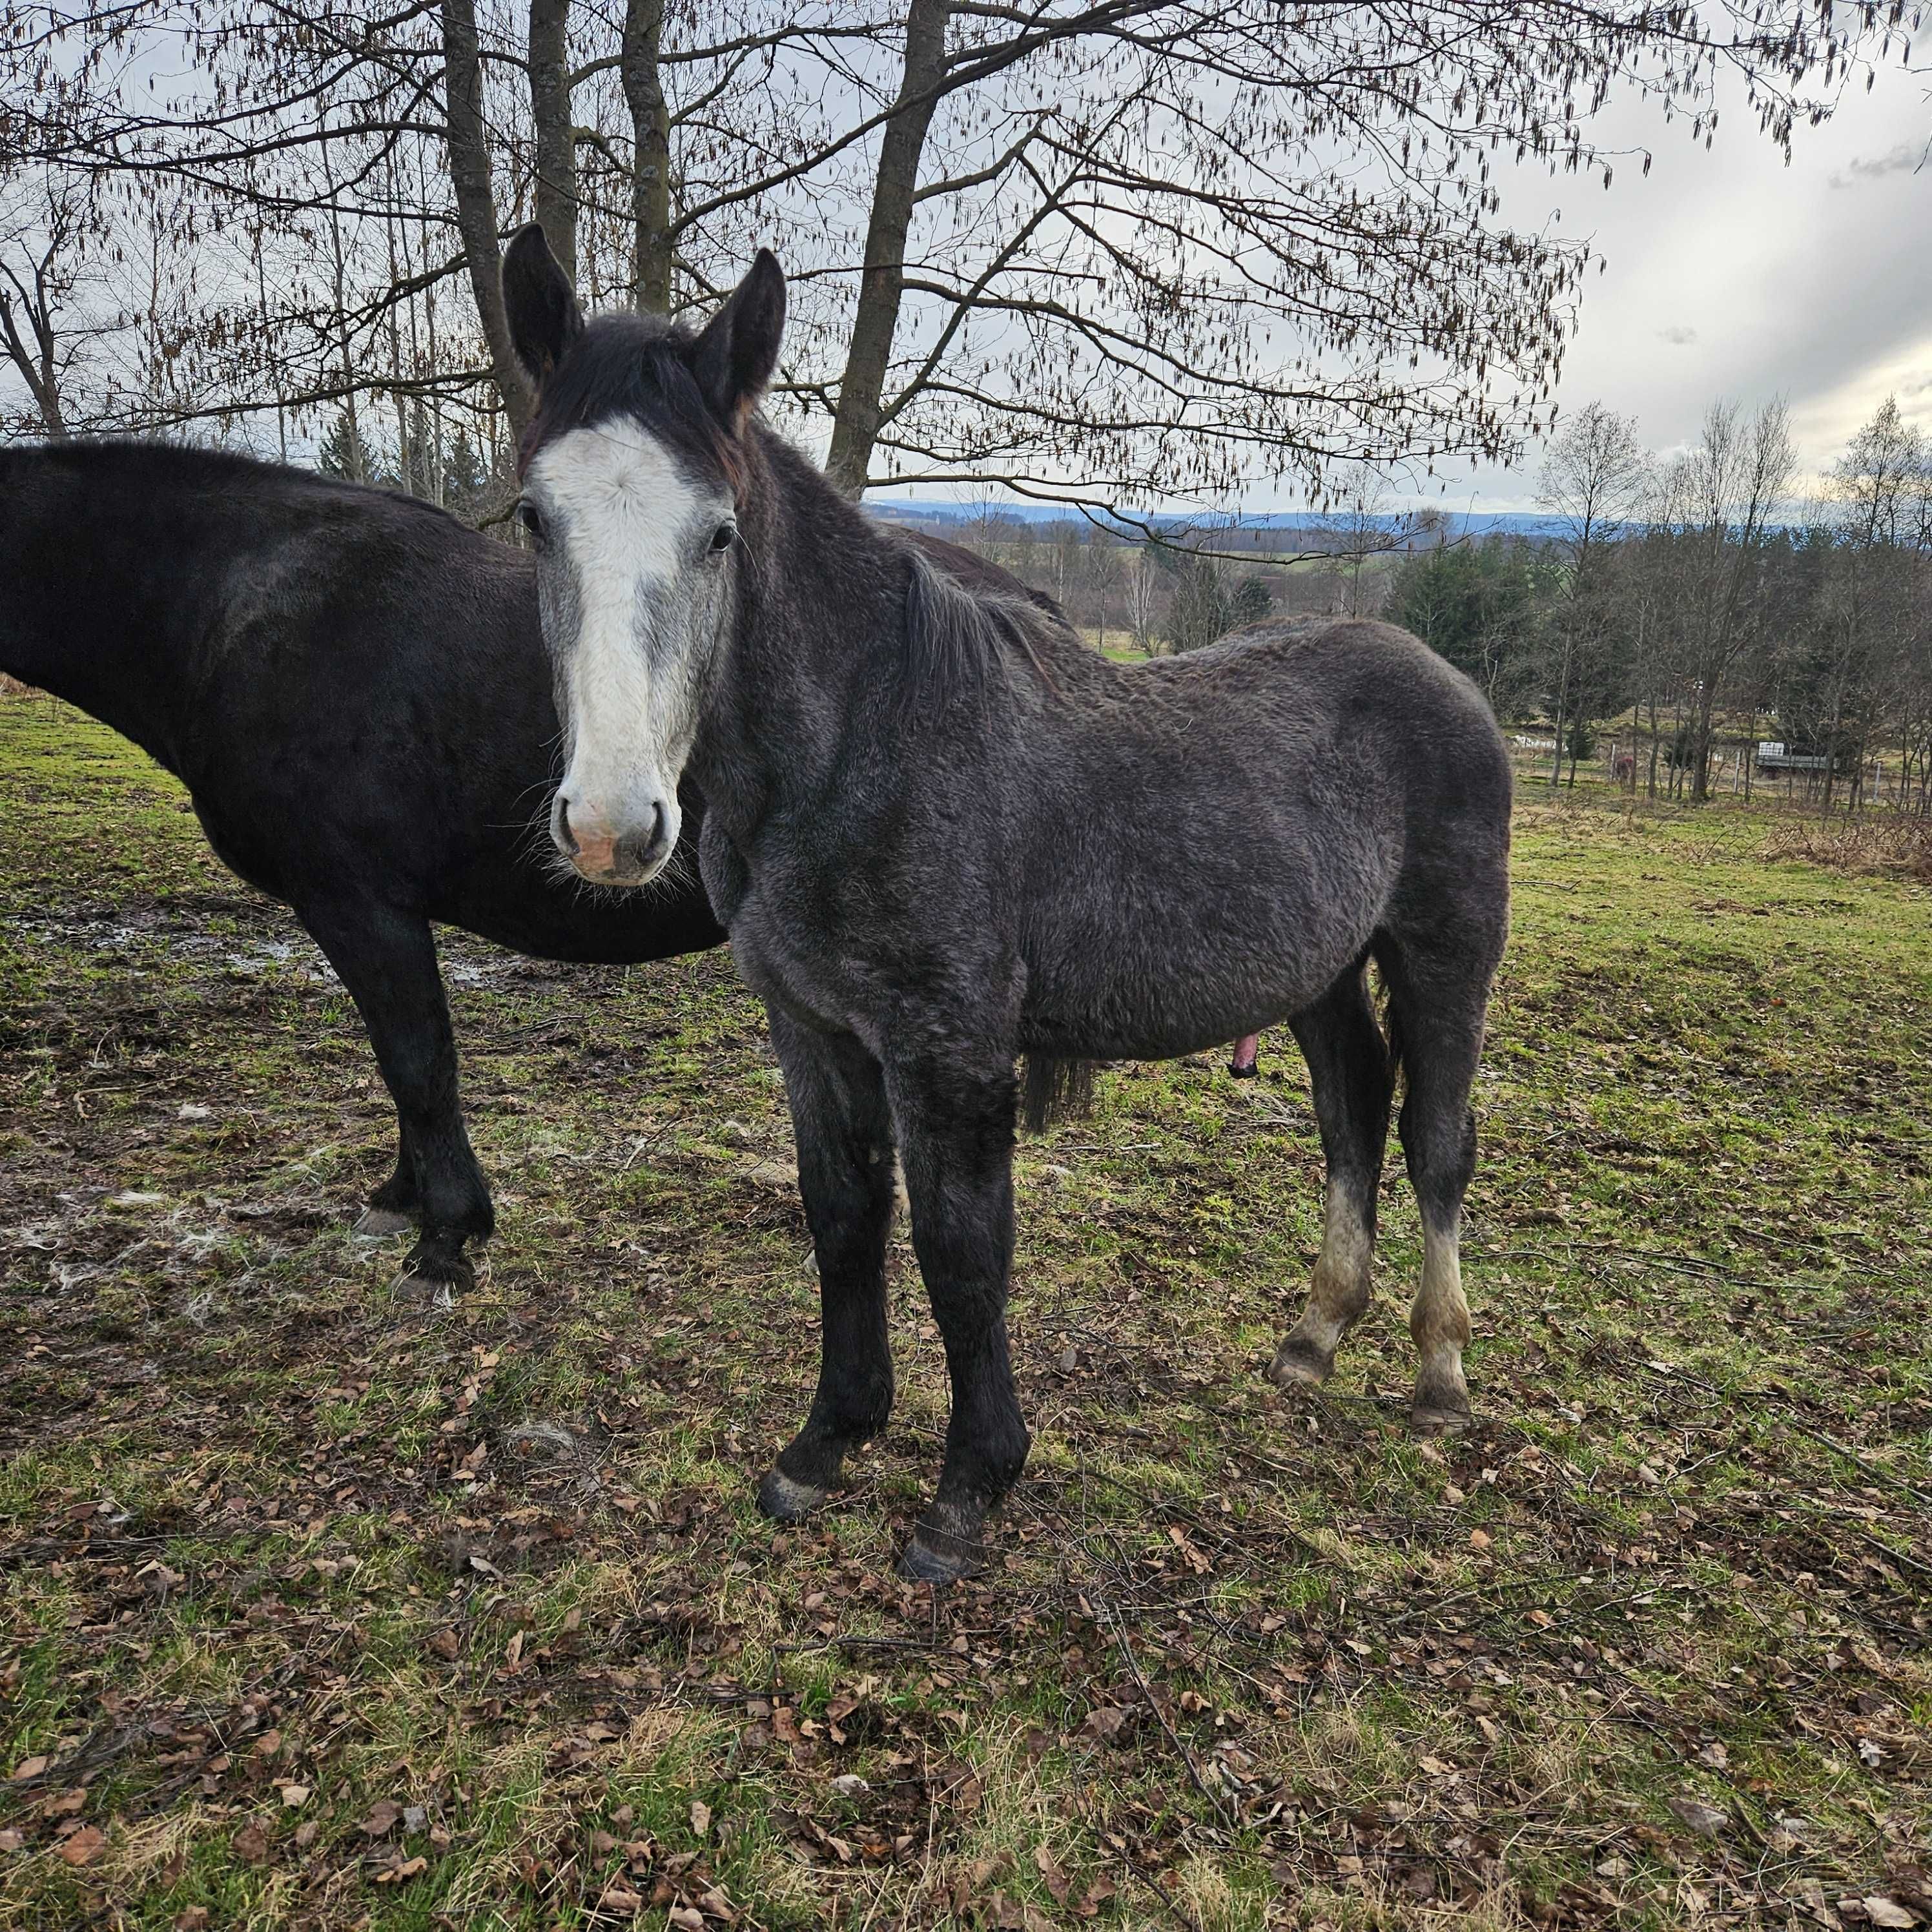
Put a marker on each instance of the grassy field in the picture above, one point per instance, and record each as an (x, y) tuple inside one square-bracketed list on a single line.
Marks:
[(323, 1604)]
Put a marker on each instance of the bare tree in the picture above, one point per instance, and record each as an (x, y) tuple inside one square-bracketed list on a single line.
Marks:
[(1594, 478), (1100, 250), (1726, 492), (40, 266)]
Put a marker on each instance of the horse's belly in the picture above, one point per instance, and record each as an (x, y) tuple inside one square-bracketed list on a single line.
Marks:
[(1088, 1011)]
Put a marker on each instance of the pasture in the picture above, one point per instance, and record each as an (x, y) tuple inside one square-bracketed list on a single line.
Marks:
[(324, 1602)]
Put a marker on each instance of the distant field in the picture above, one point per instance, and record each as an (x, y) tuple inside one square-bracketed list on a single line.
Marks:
[(323, 1605)]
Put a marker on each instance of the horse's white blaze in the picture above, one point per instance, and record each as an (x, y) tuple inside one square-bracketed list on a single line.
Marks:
[(622, 515)]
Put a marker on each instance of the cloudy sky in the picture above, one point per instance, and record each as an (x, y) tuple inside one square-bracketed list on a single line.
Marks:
[(1731, 274)]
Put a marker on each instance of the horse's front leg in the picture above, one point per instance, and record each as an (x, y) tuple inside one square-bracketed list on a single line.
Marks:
[(844, 1134), (387, 960), (956, 1130)]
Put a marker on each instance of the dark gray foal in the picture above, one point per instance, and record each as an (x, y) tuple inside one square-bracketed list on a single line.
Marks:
[(944, 834)]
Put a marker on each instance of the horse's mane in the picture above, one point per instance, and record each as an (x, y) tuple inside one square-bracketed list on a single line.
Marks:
[(968, 623)]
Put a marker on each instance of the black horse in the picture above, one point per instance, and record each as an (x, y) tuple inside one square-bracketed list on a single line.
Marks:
[(352, 687), (943, 833)]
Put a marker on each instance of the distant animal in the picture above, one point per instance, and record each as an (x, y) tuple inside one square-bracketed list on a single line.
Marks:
[(944, 834), (353, 688)]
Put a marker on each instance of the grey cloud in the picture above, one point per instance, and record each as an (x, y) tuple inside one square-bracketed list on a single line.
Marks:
[(1907, 156), (1677, 335)]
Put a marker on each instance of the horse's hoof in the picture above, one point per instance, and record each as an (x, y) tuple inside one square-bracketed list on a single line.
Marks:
[(924, 1562), (379, 1223), (440, 1265), (1430, 1418), (943, 1551), (1251, 1072), (785, 1500), (1297, 1366)]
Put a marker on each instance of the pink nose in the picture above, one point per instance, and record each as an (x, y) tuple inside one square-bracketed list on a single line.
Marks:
[(596, 853), (583, 836)]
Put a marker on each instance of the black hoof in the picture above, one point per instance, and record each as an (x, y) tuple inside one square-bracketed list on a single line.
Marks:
[(785, 1500), (379, 1223), (923, 1563), (441, 1264), (943, 1552), (1236, 1071)]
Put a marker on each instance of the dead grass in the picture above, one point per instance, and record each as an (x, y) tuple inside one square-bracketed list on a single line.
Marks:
[(1877, 844)]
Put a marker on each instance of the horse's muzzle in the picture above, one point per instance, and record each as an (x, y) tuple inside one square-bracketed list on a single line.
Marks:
[(631, 857)]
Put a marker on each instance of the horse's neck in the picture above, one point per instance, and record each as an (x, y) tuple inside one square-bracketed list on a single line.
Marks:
[(107, 603), (799, 641)]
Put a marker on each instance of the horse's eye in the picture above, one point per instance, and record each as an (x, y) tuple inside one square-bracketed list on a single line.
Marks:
[(531, 519), (721, 537)]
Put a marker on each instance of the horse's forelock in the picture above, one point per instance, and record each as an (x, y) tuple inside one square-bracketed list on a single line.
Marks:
[(622, 367)]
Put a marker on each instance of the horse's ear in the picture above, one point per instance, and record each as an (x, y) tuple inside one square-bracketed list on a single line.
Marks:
[(543, 317), (734, 358)]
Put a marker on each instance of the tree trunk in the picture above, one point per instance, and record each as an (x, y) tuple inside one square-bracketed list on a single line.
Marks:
[(476, 205), (37, 363), (555, 137), (1700, 745), (855, 429), (650, 162), (1562, 708)]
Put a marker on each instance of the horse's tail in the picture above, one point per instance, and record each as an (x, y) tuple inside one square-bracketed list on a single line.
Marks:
[(1390, 1016), (1053, 1090)]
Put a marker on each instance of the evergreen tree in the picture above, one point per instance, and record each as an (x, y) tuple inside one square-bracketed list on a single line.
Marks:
[(1252, 601), (343, 452)]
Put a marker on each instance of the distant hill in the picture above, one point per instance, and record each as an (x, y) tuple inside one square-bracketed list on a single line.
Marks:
[(1274, 530)]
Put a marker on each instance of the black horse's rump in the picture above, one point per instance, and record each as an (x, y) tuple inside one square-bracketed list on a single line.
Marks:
[(947, 837), (352, 686)]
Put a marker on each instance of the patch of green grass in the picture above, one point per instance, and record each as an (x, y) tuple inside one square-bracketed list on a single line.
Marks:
[(327, 1605)]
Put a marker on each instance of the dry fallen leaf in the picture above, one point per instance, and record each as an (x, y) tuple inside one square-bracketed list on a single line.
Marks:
[(700, 1818), (444, 1642), (383, 1817), (29, 1767), (1888, 1912), (1052, 1872), (83, 1846), (250, 1844), (1706, 1820), (1478, 1539)]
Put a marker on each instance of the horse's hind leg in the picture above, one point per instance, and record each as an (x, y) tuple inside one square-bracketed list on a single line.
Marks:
[(1349, 1066), (387, 960), (1437, 995), (845, 1171)]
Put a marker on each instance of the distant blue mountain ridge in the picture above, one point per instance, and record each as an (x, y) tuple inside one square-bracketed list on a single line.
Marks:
[(1320, 533)]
